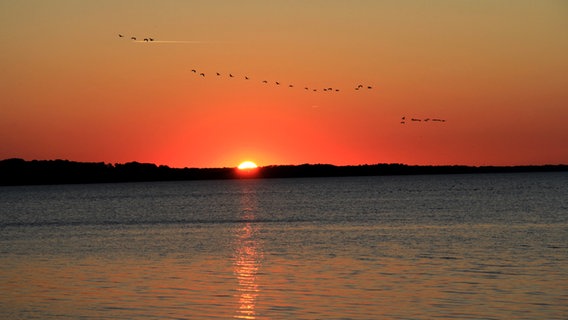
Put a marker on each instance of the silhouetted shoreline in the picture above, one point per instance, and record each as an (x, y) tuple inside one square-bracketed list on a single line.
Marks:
[(22, 172)]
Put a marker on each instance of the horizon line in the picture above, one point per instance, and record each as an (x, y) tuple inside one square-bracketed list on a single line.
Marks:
[(299, 164)]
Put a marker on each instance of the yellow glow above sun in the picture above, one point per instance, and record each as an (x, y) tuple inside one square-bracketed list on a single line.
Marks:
[(247, 165)]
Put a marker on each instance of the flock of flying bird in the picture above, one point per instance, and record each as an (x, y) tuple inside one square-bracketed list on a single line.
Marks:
[(278, 83), (133, 38), (403, 120)]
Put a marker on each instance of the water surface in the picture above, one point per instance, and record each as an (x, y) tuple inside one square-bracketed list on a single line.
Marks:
[(490, 246)]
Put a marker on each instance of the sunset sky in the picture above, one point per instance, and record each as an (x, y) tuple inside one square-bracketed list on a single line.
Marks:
[(496, 71)]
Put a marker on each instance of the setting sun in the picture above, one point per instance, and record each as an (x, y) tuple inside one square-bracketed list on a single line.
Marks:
[(247, 165)]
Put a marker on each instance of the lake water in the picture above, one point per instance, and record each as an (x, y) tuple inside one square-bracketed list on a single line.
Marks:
[(487, 246)]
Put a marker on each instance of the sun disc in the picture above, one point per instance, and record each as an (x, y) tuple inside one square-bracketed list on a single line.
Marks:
[(247, 165)]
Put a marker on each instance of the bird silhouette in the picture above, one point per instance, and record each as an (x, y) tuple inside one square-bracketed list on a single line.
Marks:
[(403, 120), (278, 83)]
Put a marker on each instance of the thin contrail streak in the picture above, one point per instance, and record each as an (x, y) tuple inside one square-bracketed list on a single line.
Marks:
[(173, 41)]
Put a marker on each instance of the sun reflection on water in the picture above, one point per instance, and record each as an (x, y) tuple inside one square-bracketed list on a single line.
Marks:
[(247, 257)]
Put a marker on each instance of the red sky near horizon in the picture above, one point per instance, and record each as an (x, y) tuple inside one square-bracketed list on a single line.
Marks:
[(496, 71)]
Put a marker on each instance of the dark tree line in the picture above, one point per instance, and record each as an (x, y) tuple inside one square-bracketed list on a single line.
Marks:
[(327, 170), (22, 172)]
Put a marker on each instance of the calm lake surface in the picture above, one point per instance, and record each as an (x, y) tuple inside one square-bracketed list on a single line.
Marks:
[(486, 246)]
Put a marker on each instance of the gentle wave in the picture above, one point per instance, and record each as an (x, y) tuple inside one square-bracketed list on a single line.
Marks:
[(456, 247)]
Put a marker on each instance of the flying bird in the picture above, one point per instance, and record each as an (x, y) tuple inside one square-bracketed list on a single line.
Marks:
[(403, 120), (278, 83)]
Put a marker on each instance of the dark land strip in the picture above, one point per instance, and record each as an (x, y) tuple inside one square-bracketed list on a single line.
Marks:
[(22, 172)]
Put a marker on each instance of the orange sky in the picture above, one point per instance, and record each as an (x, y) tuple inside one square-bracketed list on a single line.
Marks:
[(496, 71)]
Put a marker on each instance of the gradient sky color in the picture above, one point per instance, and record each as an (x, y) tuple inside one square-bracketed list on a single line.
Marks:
[(497, 71)]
